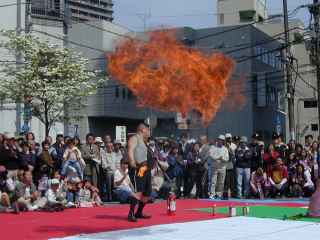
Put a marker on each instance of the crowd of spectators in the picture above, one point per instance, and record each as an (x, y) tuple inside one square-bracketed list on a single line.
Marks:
[(52, 176)]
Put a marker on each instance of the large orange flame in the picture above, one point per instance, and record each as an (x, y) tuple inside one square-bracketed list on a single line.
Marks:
[(166, 75)]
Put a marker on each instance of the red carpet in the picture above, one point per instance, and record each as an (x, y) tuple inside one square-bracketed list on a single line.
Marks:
[(43, 225)]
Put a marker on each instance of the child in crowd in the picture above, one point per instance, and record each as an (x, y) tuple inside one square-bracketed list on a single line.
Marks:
[(73, 191), (62, 183), (43, 184), (88, 195), (55, 199), (257, 183), (72, 158)]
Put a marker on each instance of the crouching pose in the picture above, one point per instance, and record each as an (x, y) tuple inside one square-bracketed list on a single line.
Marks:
[(124, 189)]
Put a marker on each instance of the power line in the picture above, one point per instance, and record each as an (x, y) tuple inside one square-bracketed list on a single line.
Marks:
[(259, 55), (61, 15), (302, 79), (233, 29), (123, 35), (70, 41), (108, 31), (10, 4), (263, 42)]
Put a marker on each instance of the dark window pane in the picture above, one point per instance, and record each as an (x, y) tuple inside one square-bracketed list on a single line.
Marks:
[(117, 92), (310, 104), (314, 127)]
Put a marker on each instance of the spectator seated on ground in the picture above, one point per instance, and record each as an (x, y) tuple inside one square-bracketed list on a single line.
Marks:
[(257, 183), (73, 188), (278, 179), (28, 198), (314, 205), (43, 183), (124, 189), (62, 184), (55, 199), (88, 195), (301, 183), (6, 189)]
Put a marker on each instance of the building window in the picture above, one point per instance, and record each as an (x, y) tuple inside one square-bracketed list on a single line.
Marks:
[(130, 95), (310, 104), (314, 127), (221, 18), (247, 16), (117, 92), (124, 93), (265, 56), (262, 89), (255, 89)]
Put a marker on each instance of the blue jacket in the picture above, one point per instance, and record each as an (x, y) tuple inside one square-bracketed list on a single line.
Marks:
[(175, 169)]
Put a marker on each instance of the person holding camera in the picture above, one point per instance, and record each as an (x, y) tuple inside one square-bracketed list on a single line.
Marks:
[(243, 165)]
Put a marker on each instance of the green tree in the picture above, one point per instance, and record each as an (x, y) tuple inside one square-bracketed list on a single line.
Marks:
[(50, 74)]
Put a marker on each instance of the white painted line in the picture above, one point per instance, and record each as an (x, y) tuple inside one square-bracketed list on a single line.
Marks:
[(237, 228)]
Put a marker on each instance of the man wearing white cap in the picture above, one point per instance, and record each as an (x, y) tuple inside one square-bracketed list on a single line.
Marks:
[(220, 157), (55, 198)]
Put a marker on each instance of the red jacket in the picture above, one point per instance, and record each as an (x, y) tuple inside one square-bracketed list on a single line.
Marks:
[(269, 159)]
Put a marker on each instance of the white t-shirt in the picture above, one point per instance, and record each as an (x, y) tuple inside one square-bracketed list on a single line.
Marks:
[(118, 157), (118, 175), (109, 161), (27, 193)]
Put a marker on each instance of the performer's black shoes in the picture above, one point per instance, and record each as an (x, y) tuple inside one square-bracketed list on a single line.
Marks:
[(132, 218), (142, 216)]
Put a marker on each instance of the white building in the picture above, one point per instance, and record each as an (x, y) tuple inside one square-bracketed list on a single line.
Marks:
[(96, 38), (9, 114), (231, 12)]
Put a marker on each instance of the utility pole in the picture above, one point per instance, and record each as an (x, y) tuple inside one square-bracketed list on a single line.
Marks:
[(27, 108), (27, 21), (18, 65), (66, 22), (288, 59), (315, 11)]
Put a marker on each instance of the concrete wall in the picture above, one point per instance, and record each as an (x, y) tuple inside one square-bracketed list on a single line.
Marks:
[(230, 10), (248, 119), (304, 117)]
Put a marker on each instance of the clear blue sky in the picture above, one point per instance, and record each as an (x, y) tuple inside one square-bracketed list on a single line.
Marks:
[(197, 14)]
